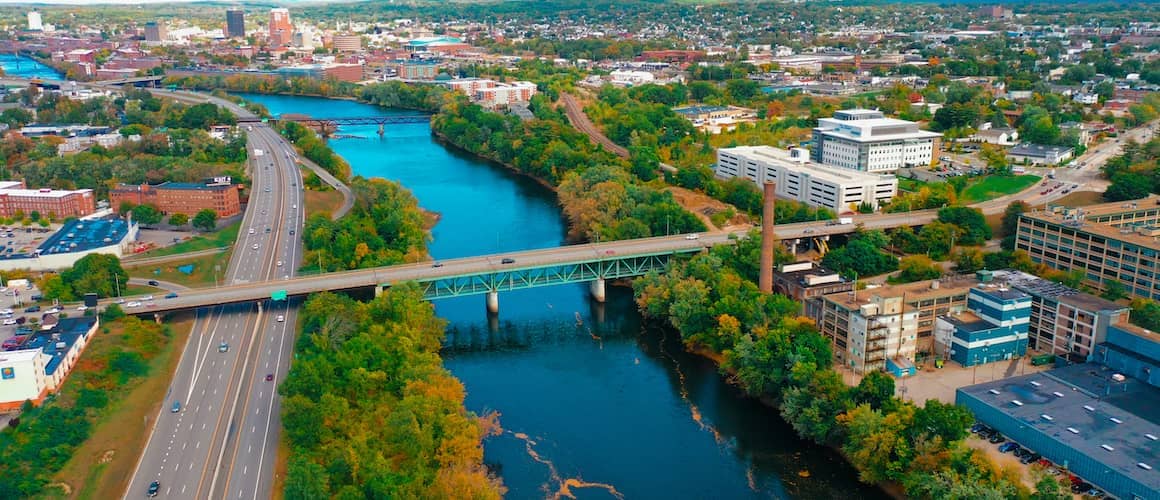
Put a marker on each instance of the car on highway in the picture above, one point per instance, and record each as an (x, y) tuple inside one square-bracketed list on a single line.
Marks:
[(279, 263), (267, 189), (171, 295), (507, 260), (147, 297), (223, 347), (176, 406), (153, 283), (294, 207), (269, 377), (692, 236), (133, 304), (154, 487), (82, 308), (281, 318), (291, 232), (437, 264), (252, 231), (150, 304), (254, 246)]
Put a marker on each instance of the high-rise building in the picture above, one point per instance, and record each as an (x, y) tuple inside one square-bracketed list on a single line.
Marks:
[(235, 23), (154, 32), (347, 43), (303, 38), (34, 22), (863, 139), (280, 28)]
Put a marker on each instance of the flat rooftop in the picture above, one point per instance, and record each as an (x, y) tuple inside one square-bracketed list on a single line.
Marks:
[(781, 158), (913, 292), (969, 322), (81, 235), (1057, 402), (994, 290), (68, 331), (1097, 228)]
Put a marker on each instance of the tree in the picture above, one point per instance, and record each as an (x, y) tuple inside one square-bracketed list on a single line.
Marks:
[(101, 274), (1010, 223), (876, 389), (178, 219), (1114, 290), (1128, 186), (947, 421), (205, 220), (146, 215), (968, 260), (970, 220), (917, 268)]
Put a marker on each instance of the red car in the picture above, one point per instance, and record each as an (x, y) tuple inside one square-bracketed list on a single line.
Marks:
[(269, 377)]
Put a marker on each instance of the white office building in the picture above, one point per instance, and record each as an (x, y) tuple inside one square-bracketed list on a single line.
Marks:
[(34, 22), (800, 179), (865, 140)]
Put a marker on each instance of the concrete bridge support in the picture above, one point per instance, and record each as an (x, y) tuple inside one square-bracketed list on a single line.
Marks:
[(493, 302), (381, 131), (379, 290), (597, 289), (157, 317)]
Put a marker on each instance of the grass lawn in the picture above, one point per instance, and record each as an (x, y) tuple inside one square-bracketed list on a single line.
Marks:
[(995, 186), (322, 202), (100, 468), (223, 237), (203, 270), (1080, 199), (908, 184)]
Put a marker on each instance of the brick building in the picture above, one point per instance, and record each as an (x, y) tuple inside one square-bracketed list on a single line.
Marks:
[(52, 203), (188, 198)]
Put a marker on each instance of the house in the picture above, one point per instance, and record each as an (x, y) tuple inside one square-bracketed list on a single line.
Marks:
[(1003, 136), (1038, 154)]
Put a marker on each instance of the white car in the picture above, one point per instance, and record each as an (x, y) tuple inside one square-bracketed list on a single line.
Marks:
[(119, 300), (279, 263), (281, 318), (133, 304), (52, 311), (294, 207), (147, 297), (82, 308), (9, 321), (251, 230), (255, 246), (692, 236), (7, 311)]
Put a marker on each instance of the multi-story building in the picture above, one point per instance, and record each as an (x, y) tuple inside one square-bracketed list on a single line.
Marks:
[(1064, 321), (15, 200), (346, 43), (865, 140), (280, 28), (188, 198), (35, 364), (1107, 243), (807, 282), (800, 179), (994, 327), (34, 22), (502, 95), (235, 23), (414, 69), (155, 32), (872, 330)]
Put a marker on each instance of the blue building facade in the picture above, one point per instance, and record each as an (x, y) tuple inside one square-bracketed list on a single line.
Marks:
[(994, 330)]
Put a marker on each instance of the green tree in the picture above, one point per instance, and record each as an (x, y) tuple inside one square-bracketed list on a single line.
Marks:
[(976, 231), (146, 215), (875, 389), (948, 422), (1010, 223), (1128, 186), (178, 219), (1114, 290), (205, 220), (917, 268), (968, 260), (101, 274)]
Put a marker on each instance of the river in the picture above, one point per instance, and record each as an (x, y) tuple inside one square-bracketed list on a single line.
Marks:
[(24, 67), (592, 403)]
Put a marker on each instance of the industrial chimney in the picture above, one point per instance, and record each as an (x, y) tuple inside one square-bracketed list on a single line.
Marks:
[(768, 240)]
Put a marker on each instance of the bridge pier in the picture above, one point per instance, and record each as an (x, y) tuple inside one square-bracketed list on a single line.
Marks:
[(378, 291), (157, 317), (493, 302), (492, 323), (596, 288), (381, 131)]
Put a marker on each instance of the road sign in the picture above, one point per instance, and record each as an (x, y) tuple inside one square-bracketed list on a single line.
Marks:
[(278, 295), (265, 120)]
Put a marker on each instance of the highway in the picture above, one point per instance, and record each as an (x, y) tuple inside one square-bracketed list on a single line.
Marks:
[(223, 440)]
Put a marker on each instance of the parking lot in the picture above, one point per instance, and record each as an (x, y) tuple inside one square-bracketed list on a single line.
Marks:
[(1009, 454), (16, 240), (940, 383)]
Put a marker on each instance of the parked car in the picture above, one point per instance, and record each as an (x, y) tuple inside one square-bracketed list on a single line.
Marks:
[(996, 438), (1008, 446), (1030, 457), (32, 309), (8, 322), (1080, 487)]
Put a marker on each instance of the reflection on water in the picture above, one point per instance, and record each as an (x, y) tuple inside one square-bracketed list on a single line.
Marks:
[(593, 403)]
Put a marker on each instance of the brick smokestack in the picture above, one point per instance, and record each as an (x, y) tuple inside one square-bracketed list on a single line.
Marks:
[(768, 240)]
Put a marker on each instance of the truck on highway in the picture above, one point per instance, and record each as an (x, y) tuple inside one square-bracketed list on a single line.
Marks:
[(841, 221), (259, 152)]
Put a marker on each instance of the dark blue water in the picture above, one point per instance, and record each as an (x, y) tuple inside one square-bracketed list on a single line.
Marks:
[(23, 67), (597, 408)]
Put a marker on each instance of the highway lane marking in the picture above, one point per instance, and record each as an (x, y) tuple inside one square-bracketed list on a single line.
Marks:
[(183, 445), (198, 445)]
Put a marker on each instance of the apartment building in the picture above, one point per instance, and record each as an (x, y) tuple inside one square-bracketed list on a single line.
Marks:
[(15, 199), (35, 364), (1064, 321), (1109, 242), (492, 94), (864, 339), (807, 282), (800, 179), (865, 140), (218, 194)]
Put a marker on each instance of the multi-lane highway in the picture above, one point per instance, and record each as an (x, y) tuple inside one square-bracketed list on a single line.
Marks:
[(221, 441)]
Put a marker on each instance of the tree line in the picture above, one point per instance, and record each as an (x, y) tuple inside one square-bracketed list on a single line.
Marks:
[(385, 226), (778, 356), (370, 412)]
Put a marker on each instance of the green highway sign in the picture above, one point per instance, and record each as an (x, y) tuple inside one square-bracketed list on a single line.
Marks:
[(278, 295)]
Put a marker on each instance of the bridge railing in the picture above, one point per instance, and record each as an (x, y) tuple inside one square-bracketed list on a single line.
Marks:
[(518, 279)]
